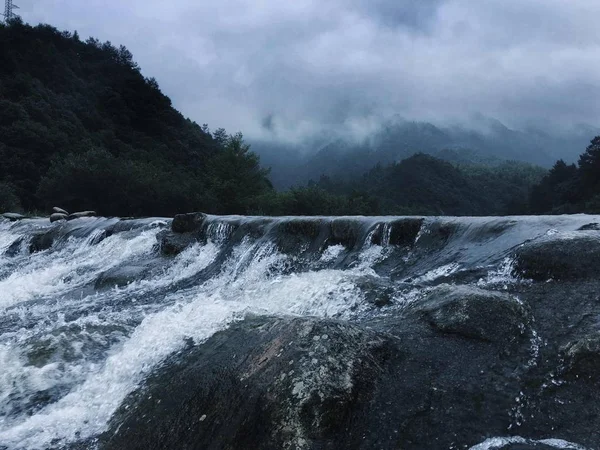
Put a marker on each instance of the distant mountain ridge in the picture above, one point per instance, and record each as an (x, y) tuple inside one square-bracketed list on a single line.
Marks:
[(399, 139)]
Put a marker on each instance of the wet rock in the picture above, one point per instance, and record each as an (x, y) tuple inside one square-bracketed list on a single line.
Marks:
[(297, 235), (13, 217), (582, 358), (567, 403), (474, 313), (58, 210), (436, 235), (273, 383), (41, 241), (404, 232), (172, 244), (81, 214), (17, 247), (309, 228), (563, 256), (590, 226), (57, 216), (376, 291), (186, 223), (345, 232), (294, 387), (121, 276), (400, 232)]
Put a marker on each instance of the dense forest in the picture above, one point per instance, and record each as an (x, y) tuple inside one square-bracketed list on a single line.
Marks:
[(570, 188), (82, 128)]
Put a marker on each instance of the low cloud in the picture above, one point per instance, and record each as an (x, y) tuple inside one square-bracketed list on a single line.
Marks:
[(285, 70)]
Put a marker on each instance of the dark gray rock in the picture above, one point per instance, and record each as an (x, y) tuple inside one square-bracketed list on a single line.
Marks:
[(186, 223), (518, 443), (58, 210), (17, 247), (305, 383), (13, 217), (345, 232), (78, 215), (563, 256), (582, 358), (474, 313), (294, 387), (376, 291), (121, 276), (41, 241), (292, 236), (590, 226), (449, 371), (404, 231), (172, 244), (57, 216)]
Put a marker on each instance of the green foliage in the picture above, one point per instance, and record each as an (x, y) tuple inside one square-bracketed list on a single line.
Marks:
[(81, 127), (234, 175), (123, 187), (568, 189), (9, 200), (589, 167), (315, 201), (423, 184)]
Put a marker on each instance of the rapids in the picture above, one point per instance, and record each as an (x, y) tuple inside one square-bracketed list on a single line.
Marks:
[(73, 346)]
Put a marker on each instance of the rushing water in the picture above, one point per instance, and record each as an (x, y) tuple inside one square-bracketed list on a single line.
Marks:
[(73, 347)]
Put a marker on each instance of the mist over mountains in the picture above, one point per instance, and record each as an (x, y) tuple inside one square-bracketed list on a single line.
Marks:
[(484, 142)]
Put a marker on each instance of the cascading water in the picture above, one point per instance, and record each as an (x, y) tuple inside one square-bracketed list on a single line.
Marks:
[(73, 345)]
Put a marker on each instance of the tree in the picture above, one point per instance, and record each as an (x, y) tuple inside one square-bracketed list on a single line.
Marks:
[(589, 167)]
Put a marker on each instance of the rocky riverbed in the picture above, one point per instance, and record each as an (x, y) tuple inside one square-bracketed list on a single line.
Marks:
[(233, 332)]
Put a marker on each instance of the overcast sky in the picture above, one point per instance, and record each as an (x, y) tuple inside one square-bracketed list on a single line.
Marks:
[(291, 67)]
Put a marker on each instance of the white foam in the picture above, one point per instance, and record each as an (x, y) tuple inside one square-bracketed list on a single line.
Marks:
[(438, 272), (499, 442), (332, 252), (75, 264), (248, 283)]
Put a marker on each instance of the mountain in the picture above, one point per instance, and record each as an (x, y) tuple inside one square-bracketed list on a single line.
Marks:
[(80, 126), (490, 144)]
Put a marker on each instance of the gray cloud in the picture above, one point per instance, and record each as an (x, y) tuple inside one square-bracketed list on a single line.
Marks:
[(288, 69)]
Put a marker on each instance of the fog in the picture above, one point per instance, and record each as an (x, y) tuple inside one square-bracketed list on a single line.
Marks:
[(305, 70)]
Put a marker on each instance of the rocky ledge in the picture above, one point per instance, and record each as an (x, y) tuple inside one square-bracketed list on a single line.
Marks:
[(454, 368)]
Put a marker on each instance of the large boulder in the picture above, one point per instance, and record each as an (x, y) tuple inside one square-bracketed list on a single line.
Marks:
[(273, 383), (42, 241), (187, 223), (264, 383), (452, 369), (172, 244), (186, 229), (475, 313), (562, 256)]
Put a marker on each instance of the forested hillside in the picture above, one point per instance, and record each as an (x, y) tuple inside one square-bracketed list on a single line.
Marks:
[(397, 139), (423, 184), (80, 126), (570, 188)]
